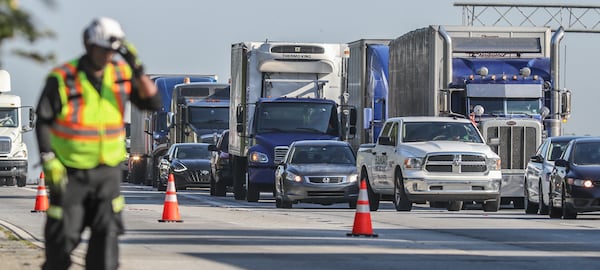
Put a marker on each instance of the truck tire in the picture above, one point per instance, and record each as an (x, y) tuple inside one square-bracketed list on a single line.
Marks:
[(253, 193), (401, 201), (22, 181), (454, 205), (220, 189), (239, 171), (373, 197)]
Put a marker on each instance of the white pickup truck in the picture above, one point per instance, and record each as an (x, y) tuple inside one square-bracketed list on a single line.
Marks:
[(435, 159)]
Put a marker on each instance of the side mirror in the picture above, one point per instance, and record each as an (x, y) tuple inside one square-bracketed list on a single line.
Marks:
[(561, 163), (170, 119), (494, 141), (536, 159), (212, 147)]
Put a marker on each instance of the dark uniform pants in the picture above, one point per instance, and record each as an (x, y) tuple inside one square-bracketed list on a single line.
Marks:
[(91, 199)]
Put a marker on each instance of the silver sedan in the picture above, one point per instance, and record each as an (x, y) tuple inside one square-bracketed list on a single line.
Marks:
[(317, 171)]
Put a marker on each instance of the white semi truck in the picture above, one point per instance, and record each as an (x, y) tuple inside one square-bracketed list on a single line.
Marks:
[(13, 151)]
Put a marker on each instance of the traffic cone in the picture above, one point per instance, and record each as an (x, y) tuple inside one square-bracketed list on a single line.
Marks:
[(41, 199), (362, 218), (171, 207)]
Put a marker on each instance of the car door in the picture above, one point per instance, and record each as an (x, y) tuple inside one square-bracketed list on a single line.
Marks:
[(164, 164), (558, 174), (534, 171), (383, 172)]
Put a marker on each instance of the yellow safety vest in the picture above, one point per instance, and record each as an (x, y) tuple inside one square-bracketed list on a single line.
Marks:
[(89, 129)]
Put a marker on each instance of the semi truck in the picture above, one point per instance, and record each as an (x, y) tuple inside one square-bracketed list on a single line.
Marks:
[(282, 92), (199, 112), (367, 87), (13, 150), (149, 139), (505, 79)]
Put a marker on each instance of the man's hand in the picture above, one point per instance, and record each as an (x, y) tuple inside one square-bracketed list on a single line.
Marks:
[(129, 53), (56, 175)]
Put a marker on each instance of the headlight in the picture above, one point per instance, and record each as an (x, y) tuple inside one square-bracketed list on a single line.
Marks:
[(413, 163), (259, 157), (20, 154), (580, 182), (135, 158), (352, 178), (178, 167), (293, 177), (494, 164)]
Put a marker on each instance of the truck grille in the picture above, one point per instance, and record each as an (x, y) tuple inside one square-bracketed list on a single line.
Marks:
[(517, 145), (5, 145), (280, 152), (455, 163), (326, 179)]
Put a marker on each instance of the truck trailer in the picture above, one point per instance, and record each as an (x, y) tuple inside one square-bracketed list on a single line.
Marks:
[(367, 87), (504, 78), (282, 92)]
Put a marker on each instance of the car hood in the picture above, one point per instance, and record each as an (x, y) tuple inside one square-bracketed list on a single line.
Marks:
[(420, 149), (591, 172), (323, 169)]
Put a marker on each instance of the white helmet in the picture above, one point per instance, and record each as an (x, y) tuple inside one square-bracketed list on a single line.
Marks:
[(104, 32)]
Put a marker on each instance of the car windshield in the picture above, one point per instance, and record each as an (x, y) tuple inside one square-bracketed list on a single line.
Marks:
[(587, 153), (323, 154), (440, 131), (195, 152)]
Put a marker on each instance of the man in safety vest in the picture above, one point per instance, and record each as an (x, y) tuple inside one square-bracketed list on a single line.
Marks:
[(81, 138)]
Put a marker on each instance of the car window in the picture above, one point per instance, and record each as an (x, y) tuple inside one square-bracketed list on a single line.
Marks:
[(586, 153), (323, 154), (193, 153)]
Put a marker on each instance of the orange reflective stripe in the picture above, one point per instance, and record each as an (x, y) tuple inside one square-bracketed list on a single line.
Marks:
[(122, 85)]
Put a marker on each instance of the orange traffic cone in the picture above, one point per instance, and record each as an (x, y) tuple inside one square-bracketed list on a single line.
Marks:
[(362, 218), (41, 199), (171, 207)]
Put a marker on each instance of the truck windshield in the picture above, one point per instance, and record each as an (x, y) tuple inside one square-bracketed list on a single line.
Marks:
[(8, 117), (297, 117), (439, 131), (496, 106), (209, 117)]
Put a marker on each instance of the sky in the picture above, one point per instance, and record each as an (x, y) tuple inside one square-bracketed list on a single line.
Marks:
[(195, 37)]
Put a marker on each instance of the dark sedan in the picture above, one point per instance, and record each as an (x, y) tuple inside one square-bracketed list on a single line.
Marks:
[(537, 173), (575, 180), (317, 171), (189, 163)]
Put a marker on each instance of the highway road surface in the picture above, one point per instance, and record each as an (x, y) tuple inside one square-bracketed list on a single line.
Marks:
[(222, 233)]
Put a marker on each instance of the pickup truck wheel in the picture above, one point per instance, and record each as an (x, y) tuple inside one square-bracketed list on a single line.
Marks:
[(21, 181), (455, 205), (401, 201), (220, 188), (492, 206), (567, 211), (212, 185), (542, 207), (373, 197)]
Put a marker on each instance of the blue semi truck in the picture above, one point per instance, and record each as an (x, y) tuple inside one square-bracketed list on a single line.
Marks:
[(504, 78)]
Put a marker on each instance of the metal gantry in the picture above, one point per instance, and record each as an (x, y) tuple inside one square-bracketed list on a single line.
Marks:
[(572, 17)]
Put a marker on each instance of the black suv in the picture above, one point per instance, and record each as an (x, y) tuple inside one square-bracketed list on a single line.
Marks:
[(220, 166)]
